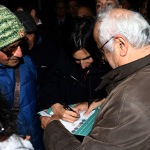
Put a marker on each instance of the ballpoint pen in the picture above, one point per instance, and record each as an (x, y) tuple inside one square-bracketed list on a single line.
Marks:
[(67, 107)]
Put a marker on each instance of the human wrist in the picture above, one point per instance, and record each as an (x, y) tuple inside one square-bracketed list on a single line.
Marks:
[(52, 118)]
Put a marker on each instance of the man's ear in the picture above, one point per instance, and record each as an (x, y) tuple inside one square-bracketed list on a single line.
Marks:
[(121, 44)]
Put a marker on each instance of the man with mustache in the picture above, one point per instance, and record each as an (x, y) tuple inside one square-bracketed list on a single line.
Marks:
[(18, 77), (123, 37)]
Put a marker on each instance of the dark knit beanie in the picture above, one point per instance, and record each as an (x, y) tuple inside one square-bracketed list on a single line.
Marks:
[(11, 28), (27, 21)]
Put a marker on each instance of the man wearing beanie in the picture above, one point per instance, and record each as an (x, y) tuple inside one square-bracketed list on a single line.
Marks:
[(18, 77), (30, 27)]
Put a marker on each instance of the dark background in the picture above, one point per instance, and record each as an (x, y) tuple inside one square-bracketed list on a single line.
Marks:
[(46, 7)]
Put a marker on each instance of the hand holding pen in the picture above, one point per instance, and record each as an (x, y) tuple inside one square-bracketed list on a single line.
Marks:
[(73, 113), (68, 108), (63, 111)]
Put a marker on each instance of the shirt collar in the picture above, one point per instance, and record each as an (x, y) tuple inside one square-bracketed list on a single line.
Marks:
[(115, 76)]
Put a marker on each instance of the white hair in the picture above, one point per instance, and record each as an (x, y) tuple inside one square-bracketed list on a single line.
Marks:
[(129, 24)]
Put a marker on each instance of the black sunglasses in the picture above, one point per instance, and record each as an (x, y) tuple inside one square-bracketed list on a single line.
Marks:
[(8, 51)]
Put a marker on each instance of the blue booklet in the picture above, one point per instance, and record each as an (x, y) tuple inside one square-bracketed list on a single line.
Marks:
[(80, 127)]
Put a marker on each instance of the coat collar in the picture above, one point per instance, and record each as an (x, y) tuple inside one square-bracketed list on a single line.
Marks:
[(114, 77)]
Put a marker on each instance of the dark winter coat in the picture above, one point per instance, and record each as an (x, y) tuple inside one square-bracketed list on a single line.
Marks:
[(123, 122)]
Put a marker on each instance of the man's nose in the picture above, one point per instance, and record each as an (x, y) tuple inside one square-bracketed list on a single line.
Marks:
[(83, 64), (18, 52)]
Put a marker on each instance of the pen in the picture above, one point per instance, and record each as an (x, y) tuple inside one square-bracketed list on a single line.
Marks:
[(68, 107)]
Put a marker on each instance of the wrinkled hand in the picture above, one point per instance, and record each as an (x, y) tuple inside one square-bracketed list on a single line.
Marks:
[(64, 114), (46, 120), (94, 105)]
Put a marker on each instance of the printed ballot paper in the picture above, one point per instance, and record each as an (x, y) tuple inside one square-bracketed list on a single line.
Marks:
[(80, 127)]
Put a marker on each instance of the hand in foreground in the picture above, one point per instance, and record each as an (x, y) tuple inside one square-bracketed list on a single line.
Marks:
[(64, 114), (94, 105), (46, 120)]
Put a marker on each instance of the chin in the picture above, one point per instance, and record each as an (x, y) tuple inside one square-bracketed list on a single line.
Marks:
[(13, 64)]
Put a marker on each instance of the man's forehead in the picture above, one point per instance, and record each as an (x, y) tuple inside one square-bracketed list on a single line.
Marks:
[(105, 1)]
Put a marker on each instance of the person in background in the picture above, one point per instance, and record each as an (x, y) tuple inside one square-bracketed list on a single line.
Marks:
[(30, 27), (123, 120), (76, 75), (18, 77), (84, 11), (41, 52), (101, 5), (60, 24), (72, 7), (85, 106), (143, 7), (44, 49), (32, 10), (9, 139), (126, 4)]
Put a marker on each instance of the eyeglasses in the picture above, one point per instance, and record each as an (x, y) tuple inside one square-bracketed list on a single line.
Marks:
[(101, 48), (10, 50)]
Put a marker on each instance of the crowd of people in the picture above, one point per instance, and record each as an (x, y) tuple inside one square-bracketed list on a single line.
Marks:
[(81, 56)]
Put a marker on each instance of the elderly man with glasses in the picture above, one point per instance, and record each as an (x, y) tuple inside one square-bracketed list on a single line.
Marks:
[(123, 121)]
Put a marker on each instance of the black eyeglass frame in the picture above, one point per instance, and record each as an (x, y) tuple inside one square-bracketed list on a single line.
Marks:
[(101, 48)]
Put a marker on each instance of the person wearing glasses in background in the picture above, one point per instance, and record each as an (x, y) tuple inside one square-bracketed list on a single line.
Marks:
[(76, 76), (18, 77), (9, 139), (123, 121)]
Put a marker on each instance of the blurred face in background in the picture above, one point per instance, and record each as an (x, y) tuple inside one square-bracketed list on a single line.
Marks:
[(102, 4), (60, 9), (30, 40), (83, 58), (72, 8), (84, 11)]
